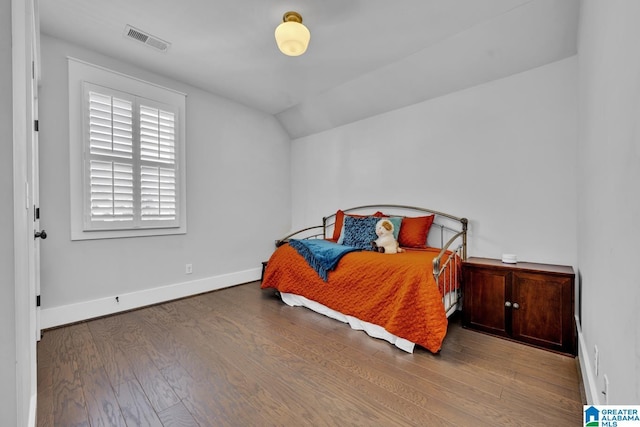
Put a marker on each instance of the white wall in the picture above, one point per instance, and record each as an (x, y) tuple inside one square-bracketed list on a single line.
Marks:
[(609, 193), (8, 403), (501, 154), (238, 200)]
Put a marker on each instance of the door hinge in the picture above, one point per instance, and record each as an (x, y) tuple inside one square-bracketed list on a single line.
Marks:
[(35, 125), (37, 300)]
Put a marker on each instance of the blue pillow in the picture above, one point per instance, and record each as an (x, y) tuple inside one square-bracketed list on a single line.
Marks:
[(359, 232)]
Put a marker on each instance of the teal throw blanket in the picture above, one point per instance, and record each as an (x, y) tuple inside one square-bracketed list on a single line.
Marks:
[(321, 255)]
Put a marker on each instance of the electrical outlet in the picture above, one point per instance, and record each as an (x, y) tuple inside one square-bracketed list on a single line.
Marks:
[(188, 269), (596, 359), (605, 390)]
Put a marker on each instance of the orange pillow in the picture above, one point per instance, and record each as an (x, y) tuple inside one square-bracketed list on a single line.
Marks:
[(337, 227), (414, 231), (339, 223)]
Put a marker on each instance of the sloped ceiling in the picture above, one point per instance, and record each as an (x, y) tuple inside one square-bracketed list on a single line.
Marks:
[(366, 57)]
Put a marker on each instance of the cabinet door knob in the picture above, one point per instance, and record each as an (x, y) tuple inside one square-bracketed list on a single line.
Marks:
[(516, 305), (507, 303)]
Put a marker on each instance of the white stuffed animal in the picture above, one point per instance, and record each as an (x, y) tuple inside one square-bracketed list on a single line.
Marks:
[(386, 242)]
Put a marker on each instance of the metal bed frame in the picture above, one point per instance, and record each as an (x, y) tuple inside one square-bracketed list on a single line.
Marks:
[(452, 243)]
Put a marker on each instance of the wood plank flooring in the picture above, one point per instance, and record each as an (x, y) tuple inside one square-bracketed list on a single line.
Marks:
[(240, 357)]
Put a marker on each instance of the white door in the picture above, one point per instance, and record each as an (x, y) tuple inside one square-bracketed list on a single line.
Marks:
[(26, 245), (34, 184)]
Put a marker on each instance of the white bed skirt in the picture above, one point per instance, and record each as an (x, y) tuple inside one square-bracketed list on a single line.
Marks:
[(355, 323)]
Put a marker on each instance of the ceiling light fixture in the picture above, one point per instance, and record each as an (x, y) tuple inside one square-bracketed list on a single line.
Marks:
[(292, 37)]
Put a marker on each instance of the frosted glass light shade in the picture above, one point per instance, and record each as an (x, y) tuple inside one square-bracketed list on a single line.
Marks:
[(291, 36)]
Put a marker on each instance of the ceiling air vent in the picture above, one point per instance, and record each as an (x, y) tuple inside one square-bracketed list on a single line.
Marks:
[(146, 38)]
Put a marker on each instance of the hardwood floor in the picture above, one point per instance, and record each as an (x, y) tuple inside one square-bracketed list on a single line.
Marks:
[(240, 357)]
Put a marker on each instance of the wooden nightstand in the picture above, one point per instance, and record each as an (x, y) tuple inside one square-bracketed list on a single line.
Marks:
[(526, 302)]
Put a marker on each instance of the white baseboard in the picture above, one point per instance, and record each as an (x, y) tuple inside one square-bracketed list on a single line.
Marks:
[(588, 377), (32, 411), (63, 315)]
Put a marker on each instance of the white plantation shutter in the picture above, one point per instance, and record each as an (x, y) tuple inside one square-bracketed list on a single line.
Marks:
[(109, 159), (157, 173), (110, 125), (158, 193), (111, 188), (131, 174), (157, 135)]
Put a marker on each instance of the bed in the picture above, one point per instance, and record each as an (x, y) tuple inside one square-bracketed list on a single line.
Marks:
[(403, 298)]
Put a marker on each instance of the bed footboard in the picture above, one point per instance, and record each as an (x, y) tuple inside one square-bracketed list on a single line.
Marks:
[(448, 275), (447, 268)]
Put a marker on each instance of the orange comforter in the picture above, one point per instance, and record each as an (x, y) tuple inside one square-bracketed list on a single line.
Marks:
[(397, 292)]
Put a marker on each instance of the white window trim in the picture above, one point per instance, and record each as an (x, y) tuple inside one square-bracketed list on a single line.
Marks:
[(80, 72)]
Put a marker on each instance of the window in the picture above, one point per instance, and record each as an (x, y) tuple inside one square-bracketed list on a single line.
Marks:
[(127, 153), (130, 161)]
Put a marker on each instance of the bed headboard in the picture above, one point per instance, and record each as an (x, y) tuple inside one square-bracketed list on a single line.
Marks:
[(446, 231), (450, 227)]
